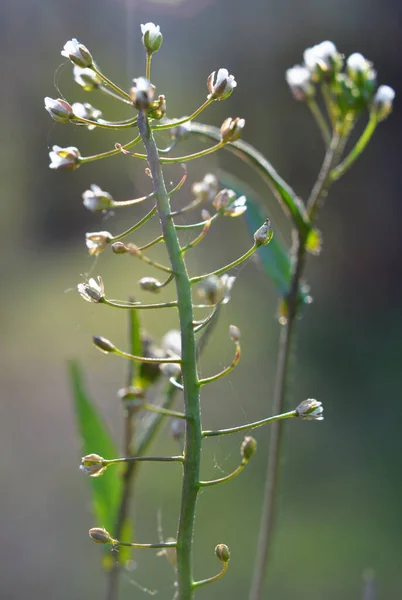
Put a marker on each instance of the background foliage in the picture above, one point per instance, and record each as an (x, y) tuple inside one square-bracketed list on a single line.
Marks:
[(341, 493)]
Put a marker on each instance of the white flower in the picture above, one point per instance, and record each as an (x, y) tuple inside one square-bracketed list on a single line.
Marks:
[(221, 86), (96, 199), (60, 110), (142, 93), (382, 102), (171, 343), (231, 129), (97, 241), (310, 410), (215, 290), (77, 53), (93, 291), (151, 37), (322, 58), (64, 158), (205, 190), (299, 80), (86, 78), (86, 111), (93, 465)]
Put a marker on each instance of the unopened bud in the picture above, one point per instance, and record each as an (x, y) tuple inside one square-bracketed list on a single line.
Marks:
[(158, 108), (93, 465), (360, 69), (222, 553), (206, 190), (264, 234), (231, 129), (310, 410), (119, 248), (299, 81), (77, 53), (151, 37), (248, 448), (221, 86), (86, 111), (382, 102), (211, 290), (60, 110), (223, 199), (322, 60), (150, 284), (86, 78), (96, 199), (103, 344), (99, 535), (205, 215), (142, 93), (170, 370), (234, 333)]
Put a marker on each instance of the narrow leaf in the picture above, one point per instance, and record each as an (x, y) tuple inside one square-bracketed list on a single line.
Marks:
[(95, 438)]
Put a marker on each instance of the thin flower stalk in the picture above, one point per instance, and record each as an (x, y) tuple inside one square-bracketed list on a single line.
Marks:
[(228, 267), (215, 432)]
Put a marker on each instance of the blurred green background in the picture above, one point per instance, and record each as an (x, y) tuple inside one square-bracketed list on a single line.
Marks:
[(341, 488)]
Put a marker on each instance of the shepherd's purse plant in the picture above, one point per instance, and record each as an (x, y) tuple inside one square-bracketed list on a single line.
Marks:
[(348, 89)]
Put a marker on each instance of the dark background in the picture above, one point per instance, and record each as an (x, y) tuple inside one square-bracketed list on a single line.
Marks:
[(341, 488)]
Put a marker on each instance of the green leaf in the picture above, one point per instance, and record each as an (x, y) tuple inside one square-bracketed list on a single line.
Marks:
[(95, 438), (273, 257)]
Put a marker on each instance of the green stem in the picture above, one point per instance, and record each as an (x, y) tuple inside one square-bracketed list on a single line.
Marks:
[(187, 157), (268, 512), (134, 545), (193, 438), (148, 216), (146, 359), (357, 150), (183, 120), (144, 458), (215, 432), (236, 262), (139, 305), (226, 478), (128, 124), (148, 58), (202, 582), (85, 159), (110, 83), (224, 371), (320, 120), (161, 410)]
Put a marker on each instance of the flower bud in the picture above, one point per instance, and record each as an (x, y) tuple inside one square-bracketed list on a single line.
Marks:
[(86, 111), (170, 370), (205, 215), (77, 53), (178, 429), (93, 291), (382, 102), (171, 343), (206, 190), (359, 68), (142, 93), (322, 60), (99, 535), (248, 448), (103, 344), (222, 553), (96, 199), (119, 248), (151, 37), (227, 203), (223, 199), (93, 465), (180, 132), (150, 284), (211, 290), (60, 110), (264, 234), (158, 108), (96, 242), (234, 333), (299, 80), (221, 86), (231, 129), (310, 410), (86, 78), (64, 158)]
